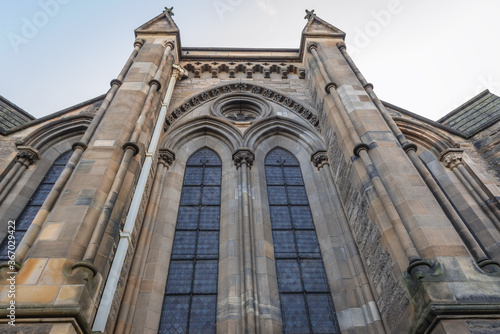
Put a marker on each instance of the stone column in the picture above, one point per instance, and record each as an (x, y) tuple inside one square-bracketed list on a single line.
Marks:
[(78, 149), (134, 216), (364, 294), (131, 149), (129, 300), (460, 226), (243, 160), (361, 151), (454, 161), (27, 156)]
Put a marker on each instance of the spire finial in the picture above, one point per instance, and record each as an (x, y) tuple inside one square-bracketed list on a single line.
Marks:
[(309, 14), (169, 11)]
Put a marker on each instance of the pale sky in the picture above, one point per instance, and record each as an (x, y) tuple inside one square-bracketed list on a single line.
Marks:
[(426, 56)]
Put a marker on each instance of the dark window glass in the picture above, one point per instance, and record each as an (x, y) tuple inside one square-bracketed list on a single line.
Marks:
[(306, 303), (190, 303), (29, 212)]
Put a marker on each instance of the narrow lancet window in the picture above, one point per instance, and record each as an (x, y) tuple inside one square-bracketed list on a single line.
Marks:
[(306, 302), (190, 302), (23, 222)]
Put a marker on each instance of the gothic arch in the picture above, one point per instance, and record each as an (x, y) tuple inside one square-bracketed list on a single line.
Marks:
[(53, 132), (201, 126), (294, 105), (293, 129), (332, 237), (49, 142), (157, 259), (428, 137)]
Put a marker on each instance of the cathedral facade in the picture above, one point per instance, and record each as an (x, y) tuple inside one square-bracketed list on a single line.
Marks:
[(216, 190)]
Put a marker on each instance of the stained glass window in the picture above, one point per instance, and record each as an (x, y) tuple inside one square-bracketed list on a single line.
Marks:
[(190, 303), (31, 209), (306, 302)]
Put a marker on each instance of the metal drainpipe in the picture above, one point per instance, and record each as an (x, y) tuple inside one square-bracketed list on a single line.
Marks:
[(125, 235)]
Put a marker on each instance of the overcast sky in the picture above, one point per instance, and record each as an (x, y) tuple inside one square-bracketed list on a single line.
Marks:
[(425, 56)]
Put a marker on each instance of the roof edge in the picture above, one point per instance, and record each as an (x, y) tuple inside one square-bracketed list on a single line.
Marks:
[(426, 120), (464, 105), (53, 115)]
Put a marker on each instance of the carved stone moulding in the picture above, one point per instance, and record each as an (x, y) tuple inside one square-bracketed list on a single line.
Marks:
[(246, 69), (452, 157), (241, 103), (243, 156), (320, 159), (166, 156), (29, 154)]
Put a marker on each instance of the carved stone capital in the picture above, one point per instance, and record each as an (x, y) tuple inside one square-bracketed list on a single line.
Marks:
[(319, 159), (115, 82), (166, 157), (79, 145), (452, 158), (341, 45), (360, 147), (155, 82), (409, 147), (329, 86), (139, 42), (28, 154), (170, 43), (311, 46), (243, 156), (132, 146), (368, 86)]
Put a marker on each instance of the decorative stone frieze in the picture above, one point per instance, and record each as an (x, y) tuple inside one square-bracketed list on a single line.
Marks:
[(243, 156), (246, 70)]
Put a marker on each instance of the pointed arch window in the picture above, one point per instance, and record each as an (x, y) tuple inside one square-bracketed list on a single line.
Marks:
[(190, 302), (29, 212), (306, 302)]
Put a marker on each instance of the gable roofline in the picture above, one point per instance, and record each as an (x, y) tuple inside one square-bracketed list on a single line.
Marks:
[(328, 31), (464, 105), (17, 108), (173, 30), (52, 116), (425, 120)]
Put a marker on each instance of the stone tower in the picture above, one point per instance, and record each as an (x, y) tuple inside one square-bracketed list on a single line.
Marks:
[(250, 191)]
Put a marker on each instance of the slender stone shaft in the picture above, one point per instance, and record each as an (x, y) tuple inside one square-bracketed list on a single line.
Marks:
[(40, 218), (403, 235), (366, 296), (464, 232), (131, 149), (243, 159)]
